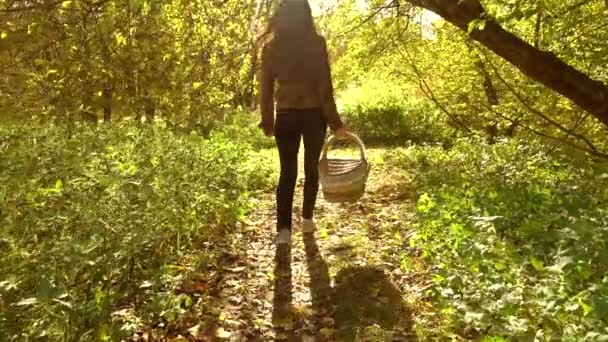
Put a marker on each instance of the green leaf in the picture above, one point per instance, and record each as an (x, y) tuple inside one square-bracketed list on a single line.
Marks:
[(587, 309), (519, 325), (64, 304), (27, 302), (472, 25), (561, 264), (471, 317), (187, 302), (593, 336), (121, 40), (600, 307), (456, 229), (477, 24), (425, 203), (537, 264)]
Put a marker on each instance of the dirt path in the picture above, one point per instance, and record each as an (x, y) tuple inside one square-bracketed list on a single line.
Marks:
[(343, 283)]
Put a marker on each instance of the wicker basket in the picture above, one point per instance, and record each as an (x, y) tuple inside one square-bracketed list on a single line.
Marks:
[(343, 180)]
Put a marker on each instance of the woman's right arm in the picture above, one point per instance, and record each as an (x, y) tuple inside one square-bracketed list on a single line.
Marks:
[(330, 109)]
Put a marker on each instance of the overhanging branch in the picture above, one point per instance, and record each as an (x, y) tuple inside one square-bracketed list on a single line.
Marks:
[(541, 66)]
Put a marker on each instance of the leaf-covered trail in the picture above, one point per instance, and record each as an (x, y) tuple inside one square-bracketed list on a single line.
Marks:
[(342, 283)]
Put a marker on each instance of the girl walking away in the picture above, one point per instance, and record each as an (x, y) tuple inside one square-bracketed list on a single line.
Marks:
[(297, 77)]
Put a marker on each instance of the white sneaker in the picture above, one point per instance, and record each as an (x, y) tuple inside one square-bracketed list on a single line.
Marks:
[(284, 237), (308, 226)]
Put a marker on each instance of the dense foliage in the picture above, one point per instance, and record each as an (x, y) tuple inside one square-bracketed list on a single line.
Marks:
[(385, 113), (478, 92), (98, 224), (181, 60), (517, 239)]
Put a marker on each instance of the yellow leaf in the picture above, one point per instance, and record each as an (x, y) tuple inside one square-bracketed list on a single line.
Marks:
[(66, 4), (120, 39), (323, 234), (3, 35)]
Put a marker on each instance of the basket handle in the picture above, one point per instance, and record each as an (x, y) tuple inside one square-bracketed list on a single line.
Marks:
[(351, 136)]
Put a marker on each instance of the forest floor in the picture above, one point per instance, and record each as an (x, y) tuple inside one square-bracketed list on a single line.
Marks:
[(344, 282)]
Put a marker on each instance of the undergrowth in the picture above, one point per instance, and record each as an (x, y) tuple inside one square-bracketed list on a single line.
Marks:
[(384, 113), (100, 227), (517, 239)]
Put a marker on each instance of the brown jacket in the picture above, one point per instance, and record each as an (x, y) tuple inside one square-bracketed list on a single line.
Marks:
[(297, 85)]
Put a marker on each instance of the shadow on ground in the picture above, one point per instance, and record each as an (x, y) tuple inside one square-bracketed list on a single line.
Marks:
[(283, 319), (363, 304)]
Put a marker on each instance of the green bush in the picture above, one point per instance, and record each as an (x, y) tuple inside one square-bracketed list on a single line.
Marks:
[(383, 113), (243, 127), (99, 224), (518, 237)]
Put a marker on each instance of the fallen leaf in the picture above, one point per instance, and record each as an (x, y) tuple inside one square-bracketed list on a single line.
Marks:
[(281, 336), (146, 284), (326, 332), (200, 287), (192, 287), (323, 234), (234, 300), (223, 334), (236, 269), (195, 331), (328, 322), (307, 338)]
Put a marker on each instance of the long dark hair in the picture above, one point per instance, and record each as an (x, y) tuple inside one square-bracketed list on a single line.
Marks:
[(292, 19), (292, 28)]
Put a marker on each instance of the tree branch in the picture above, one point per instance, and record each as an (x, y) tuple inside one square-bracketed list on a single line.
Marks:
[(541, 66), (31, 7), (428, 92), (545, 135), (529, 107), (392, 4)]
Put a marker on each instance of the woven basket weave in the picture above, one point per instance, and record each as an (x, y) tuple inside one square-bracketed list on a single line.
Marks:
[(343, 180)]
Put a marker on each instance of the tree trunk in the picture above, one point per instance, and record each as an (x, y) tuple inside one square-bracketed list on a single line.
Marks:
[(262, 13), (544, 67), (107, 103), (149, 107), (492, 98), (88, 113)]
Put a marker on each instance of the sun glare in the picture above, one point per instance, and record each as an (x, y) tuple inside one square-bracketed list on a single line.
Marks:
[(318, 5)]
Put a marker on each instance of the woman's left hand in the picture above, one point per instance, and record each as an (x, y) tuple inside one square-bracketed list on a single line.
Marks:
[(269, 133), (268, 130)]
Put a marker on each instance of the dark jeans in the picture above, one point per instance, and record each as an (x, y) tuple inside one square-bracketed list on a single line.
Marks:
[(291, 126)]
